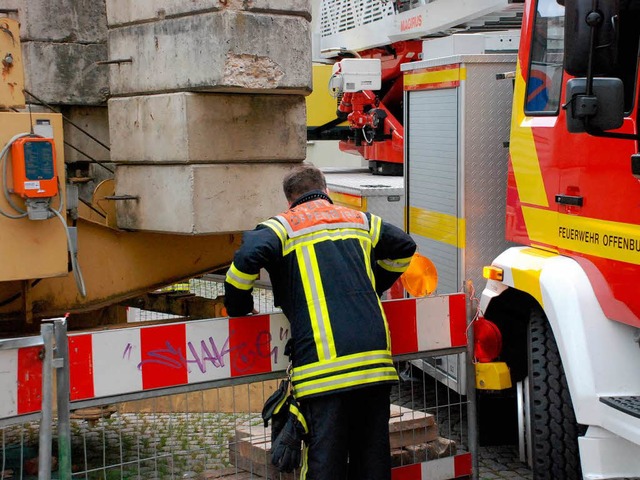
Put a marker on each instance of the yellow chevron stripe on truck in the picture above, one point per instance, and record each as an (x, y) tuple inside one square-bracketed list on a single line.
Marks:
[(524, 157)]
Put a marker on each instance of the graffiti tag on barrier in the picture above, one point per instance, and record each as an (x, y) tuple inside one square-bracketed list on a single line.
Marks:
[(207, 353)]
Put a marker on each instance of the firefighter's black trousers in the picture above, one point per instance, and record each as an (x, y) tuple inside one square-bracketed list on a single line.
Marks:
[(349, 435)]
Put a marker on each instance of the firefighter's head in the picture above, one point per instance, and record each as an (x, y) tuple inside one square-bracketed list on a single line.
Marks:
[(303, 179)]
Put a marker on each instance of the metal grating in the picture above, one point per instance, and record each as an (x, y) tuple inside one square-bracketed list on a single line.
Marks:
[(339, 16)]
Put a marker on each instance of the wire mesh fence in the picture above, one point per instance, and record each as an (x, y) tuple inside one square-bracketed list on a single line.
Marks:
[(19, 448), (218, 433)]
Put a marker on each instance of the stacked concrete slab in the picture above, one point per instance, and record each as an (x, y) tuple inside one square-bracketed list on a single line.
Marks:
[(207, 110)]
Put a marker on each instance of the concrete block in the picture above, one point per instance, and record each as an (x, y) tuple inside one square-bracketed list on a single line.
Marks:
[(66, 73), (199, 199), (123, 12), (205, 128), (216, 51), (81, 21), (95, 121)]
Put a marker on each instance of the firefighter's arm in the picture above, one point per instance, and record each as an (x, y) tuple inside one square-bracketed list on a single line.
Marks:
[(393, 251), (258, 248)]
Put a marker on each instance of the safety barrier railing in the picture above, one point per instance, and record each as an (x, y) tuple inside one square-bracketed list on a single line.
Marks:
[(183, 361), (26, 391)]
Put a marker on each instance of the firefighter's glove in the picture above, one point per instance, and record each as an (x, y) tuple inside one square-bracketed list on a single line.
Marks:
[(286, 449), (273, 405)]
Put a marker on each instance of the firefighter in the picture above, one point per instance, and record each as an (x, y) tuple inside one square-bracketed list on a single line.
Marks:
[(328, 266)]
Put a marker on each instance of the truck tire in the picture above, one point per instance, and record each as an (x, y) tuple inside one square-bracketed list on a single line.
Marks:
[(554, 430)]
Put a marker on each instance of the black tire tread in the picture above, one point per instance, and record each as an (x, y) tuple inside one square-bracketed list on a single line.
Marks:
[(554, 428)]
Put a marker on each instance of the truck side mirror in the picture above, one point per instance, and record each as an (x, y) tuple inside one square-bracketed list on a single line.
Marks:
[(590, 32), (602, 110)]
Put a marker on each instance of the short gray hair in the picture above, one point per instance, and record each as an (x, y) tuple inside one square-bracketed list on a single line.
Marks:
[(303, 179)]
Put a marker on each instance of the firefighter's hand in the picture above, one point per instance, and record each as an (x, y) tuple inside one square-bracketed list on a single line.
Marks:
[(286, 448)]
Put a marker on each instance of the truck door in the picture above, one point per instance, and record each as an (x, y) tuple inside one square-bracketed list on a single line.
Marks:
[(598, 199)]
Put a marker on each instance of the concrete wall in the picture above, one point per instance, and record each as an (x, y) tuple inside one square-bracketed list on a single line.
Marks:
[(206, 162)]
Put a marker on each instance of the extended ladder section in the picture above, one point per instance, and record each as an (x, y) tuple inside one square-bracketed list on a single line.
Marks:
[(361, 24)]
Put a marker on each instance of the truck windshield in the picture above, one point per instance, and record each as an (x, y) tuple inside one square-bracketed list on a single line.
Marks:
[(545, 71), (628, 38)]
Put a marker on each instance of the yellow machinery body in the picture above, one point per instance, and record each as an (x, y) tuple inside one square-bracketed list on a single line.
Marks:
[(12, 71), (31, 249)]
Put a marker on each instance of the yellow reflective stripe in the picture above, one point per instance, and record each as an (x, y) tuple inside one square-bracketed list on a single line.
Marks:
[(316, 302), (386, 324), (399, 265), (317, 237), (374, 375), (376, 226), (305, 462), (323, 226), (366, 252), (522, 147), (342, 363), (347, 200), (280, 404), (591, 236), (434, 77), (298, 414), (240, 280), (277, 228), (437, 226)]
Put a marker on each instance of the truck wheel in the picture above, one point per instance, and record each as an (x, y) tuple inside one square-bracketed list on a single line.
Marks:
[(554, 430)]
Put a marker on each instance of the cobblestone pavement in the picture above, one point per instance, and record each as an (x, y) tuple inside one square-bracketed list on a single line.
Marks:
[(502, 462)]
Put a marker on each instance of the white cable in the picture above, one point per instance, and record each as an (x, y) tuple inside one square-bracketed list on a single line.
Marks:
[(3, 160), (364, 135), (75, 266)]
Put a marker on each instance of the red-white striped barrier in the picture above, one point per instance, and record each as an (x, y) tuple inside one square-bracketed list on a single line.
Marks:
[(20, 381), (124, 361), (441, 469), (427, 324), (118, 362)]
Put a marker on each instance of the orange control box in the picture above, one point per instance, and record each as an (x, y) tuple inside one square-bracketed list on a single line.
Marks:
[(33, 160)]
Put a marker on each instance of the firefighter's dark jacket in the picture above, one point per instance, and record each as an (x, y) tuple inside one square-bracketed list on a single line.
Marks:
[(328, 265)]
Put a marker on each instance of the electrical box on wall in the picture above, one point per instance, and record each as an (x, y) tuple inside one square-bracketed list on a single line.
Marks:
[(33, 161)]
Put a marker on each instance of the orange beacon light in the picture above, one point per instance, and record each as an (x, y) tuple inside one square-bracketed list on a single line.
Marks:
[(33, 160)]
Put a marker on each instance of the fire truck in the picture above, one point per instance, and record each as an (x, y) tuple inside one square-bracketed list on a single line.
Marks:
[(558, 320)]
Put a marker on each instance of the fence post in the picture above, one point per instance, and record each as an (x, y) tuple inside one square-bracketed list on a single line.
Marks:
[(472, 412), (63, 385), (46, 419)]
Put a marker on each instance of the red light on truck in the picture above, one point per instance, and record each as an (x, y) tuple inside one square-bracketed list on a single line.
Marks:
[(33, 160), (487, 340)]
